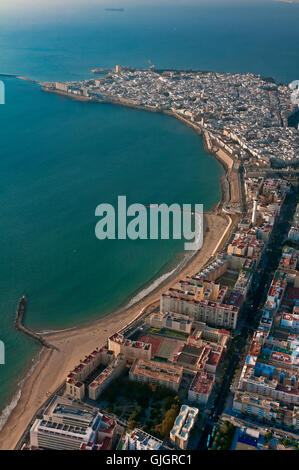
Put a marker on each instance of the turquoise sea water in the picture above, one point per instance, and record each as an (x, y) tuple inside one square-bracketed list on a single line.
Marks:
[(60, 158)]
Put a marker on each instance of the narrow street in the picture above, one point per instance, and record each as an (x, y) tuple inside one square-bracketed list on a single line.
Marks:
[(250, 312)]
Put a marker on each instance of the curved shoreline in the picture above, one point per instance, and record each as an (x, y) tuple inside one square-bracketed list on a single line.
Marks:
[(74, 343)]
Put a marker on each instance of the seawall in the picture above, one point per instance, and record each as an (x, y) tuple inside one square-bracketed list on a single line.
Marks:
[(228, 187)]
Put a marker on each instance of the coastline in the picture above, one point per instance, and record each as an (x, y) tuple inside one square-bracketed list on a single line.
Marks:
[(50, 369), (74, 344)]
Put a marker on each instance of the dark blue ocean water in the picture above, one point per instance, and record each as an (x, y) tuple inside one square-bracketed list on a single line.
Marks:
[(60, 158), (65, 43)]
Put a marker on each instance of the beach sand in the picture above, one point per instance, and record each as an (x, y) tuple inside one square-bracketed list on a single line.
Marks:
[(75, 344)]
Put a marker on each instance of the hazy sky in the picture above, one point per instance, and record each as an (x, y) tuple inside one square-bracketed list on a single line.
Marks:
[(37, 9), (115, 3)]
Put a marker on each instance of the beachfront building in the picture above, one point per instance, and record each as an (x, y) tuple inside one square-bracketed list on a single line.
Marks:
[(212, 271), (75, 386), (140, 440), (130, 349), (163, 374), (214, 313), (204, 290), (183, 426), (102, 381), (201, 388), (66, 426)]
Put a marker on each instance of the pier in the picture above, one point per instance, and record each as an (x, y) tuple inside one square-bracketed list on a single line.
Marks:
[(21, 309)]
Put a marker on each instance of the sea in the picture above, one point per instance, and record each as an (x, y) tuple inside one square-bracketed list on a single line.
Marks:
[(60, 158)]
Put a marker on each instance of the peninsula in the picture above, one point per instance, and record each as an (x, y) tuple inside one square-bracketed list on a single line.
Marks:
[(206, 333)]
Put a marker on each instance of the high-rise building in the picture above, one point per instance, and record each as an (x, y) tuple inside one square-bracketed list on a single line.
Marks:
[(183, 426)]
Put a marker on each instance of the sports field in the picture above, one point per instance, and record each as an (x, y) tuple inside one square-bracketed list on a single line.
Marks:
[(162, 347)]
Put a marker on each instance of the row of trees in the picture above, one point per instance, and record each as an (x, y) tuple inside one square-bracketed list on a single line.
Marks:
[(225, 436)]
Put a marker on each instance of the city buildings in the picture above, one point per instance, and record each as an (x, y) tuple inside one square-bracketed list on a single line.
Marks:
[(101, 382), (244, 115), (130, 349), (140, 440), (268, 385), (183, 425), (163, 374), (171, 321), (216, 314), (294, 230), (182, 346), (69, 426), (201, 388), (266, 410), (75, 386)]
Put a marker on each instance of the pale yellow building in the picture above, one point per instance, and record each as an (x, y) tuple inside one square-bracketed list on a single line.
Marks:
[(164, 374), (102, 381), (130, 349)]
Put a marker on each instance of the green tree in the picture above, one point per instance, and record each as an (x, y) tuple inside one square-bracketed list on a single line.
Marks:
[(168, 421)]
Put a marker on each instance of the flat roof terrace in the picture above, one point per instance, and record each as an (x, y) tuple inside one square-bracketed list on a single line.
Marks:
[(157, 370)]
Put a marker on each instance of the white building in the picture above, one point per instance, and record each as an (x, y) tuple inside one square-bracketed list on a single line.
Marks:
[(65, 426), (183, 425), (140, 440)]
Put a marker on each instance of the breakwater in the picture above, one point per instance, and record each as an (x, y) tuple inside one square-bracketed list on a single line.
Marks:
[(8, 75), (21, 309), (20, 77)]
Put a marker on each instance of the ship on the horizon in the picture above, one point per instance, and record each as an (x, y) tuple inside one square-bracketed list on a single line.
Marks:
[(114, 9)]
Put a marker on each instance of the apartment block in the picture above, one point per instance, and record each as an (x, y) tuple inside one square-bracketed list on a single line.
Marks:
[(201, 388), (130, 349), (66, 426), (164, 374), (183, 425), (213, 313), (75, 386), (171, 321), (264, 409), (140, 440), (100, 383)]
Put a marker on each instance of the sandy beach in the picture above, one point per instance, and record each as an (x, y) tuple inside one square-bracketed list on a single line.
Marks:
[(75, 344)]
